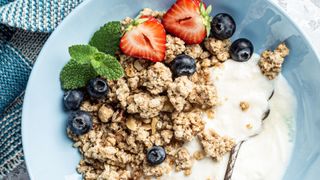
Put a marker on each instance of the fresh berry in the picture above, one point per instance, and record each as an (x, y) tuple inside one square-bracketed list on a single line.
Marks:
[(145, 38), (183, 65), (223, 26), (198, 3), (79, 122), (188, 20), (97, 88), (72, 99), (156, 155), (241, 50)]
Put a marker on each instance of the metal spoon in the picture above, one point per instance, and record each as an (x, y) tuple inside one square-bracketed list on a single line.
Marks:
[(236, 149)]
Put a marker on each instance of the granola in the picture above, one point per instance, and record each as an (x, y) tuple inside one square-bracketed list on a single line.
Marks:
[(183, 160), (187, 125), (150, 107), (178, 92), (214, 145), (174, 47), (218, 48), (158, 78), (271, 61), (145, 105)]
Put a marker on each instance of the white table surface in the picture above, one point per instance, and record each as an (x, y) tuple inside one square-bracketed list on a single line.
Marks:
[(306, 14)]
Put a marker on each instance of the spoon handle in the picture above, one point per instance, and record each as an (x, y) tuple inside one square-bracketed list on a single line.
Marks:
[(232, 160)]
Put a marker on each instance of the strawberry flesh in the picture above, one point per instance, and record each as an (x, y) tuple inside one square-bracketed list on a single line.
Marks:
[(145, 40), (198, 3), (184, 20)]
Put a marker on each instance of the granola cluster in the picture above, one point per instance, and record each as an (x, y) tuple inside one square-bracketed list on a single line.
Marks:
[(271, 61), (214, 145), (149, 107)]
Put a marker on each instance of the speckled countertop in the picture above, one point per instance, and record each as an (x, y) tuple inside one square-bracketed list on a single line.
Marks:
[(306, 13)]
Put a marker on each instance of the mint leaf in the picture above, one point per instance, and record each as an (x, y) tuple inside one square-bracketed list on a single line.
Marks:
[(82, 53), (107, 66), (75, 75), (107, 38)]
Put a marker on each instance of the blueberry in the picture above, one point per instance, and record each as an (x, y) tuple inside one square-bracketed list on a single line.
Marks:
[(97, 88), (241, 50), (79, 122), (223, 26), (72, 99), (156, 155), (183, 65)]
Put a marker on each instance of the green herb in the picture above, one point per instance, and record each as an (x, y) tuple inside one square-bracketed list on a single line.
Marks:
[(107, 38), (86, 63), (107, 66), (82, 53), (75, 75)]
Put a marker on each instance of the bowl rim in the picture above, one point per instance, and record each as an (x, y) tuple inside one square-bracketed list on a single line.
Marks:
[(78, 9)]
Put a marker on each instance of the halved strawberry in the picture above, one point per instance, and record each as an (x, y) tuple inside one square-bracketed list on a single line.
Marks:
[(145, 38), (198, 3), (188, 20)]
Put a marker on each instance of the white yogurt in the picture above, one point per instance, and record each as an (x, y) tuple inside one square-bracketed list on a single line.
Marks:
[(266, 156), (240, 82), (262, 157)]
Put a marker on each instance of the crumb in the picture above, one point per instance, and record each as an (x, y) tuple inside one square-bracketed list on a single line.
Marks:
[(199, 155), (105, 113), (249, 126), (187, 172), (131, 124), (244, 106), (210, 113)]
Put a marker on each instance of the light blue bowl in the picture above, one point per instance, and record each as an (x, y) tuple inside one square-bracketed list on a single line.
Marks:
[(48, 151)]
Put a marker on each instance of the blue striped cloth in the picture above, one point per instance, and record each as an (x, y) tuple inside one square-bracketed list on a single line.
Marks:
[(18, 50)]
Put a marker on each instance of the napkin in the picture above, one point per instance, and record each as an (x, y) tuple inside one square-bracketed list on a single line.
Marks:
[(24, 27)]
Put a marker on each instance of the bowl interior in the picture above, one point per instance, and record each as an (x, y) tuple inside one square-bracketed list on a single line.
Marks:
[(48, 151)]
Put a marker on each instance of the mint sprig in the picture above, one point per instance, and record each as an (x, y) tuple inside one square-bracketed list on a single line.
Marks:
[(82, 53), (86, 63), (107, 66), (107, 38), (96, 59), (75, 75)]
